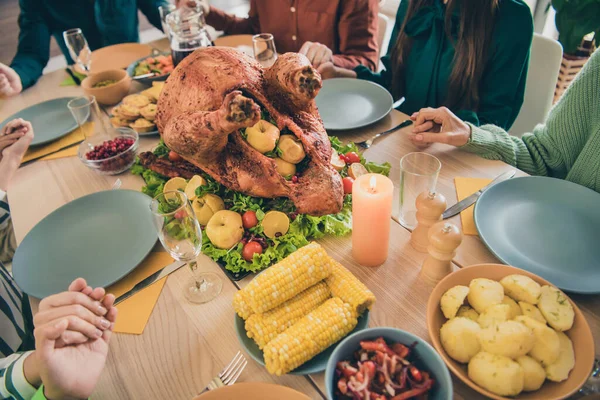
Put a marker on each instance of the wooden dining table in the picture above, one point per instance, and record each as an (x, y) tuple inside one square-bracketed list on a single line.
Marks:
[(185, 345)]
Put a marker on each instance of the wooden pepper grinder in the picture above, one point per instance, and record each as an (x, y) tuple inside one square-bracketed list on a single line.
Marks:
[(430, 206), (444, 239)]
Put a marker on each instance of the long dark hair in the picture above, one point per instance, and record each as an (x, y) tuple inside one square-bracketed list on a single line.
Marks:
[(471, 49)]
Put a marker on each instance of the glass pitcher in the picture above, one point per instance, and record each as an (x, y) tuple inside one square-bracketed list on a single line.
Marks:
[(187, 29)]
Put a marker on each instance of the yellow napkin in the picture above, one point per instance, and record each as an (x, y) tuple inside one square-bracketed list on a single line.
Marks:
[(464, 188), (134, 312), (68, 152), (74, 137)]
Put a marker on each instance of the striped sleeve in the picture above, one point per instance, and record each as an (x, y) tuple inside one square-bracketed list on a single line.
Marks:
[(13, 384), (4, 210)]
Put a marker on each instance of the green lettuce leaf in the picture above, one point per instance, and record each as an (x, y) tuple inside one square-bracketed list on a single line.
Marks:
[(375, 168)]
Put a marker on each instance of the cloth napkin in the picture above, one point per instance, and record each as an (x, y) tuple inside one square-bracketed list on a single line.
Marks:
[(59, 145), (69, 80), (134, 312), (464, 188)]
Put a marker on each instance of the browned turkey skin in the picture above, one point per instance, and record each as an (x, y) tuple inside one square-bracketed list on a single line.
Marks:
[(215, 92)]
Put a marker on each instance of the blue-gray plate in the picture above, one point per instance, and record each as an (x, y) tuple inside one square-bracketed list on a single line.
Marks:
[(346, 103), (546, 226), (50, 119), (100, 237), (313, 366), (424, 356)]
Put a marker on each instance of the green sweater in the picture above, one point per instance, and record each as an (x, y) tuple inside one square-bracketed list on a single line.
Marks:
[(103, 22), (431, 60), (567, 146)]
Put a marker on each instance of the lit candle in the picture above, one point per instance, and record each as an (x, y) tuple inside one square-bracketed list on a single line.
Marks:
[(372, 196)]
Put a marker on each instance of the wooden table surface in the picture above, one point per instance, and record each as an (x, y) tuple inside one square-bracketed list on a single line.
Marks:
[(186, 345)]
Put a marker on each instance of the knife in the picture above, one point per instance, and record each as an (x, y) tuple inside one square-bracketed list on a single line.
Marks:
[(467, 202), (161, 273), (73, 76)]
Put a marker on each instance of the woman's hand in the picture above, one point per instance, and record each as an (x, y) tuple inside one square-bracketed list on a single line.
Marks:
[(14, 150), (72, 371), (10, 81), (439, 125), (316, 53), (328, 71)]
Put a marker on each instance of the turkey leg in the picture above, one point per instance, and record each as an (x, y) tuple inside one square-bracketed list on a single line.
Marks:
[(202, 135), (293, 74)]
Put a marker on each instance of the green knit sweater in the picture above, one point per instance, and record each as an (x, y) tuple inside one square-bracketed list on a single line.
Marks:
[(567, 146)]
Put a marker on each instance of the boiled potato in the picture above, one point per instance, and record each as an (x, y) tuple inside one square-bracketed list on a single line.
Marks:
[(559, 370), (546, 346), (515, 310), (556, 308), (498, 374), (459, 338), (534, 373), (529, 310), (509, 339), (452, 300), (521, 288), (291, 149), (494, 314), (467, 312), (484, 293)]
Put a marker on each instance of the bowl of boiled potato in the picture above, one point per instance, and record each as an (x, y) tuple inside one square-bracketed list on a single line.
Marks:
[(507, 333)]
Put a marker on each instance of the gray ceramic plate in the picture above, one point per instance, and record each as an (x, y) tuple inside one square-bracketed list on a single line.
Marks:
[(346, 103), (100, 237), (313, 366), (546, 226), (51, 120)]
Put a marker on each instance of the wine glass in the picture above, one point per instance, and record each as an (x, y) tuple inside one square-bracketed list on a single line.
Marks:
[(78, 48), (264, 49), (165, 10), (180, 234)]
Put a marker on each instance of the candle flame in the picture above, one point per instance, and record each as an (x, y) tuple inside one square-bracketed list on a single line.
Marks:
[(372, 183)]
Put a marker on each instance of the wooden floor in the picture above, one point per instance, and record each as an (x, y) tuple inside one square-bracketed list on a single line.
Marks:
[(9, 29)]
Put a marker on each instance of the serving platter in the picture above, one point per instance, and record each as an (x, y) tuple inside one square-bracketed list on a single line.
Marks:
[(546, 226), (100, 237), (313, 366)]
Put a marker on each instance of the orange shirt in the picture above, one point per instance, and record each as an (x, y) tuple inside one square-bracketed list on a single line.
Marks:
[(347, 27)]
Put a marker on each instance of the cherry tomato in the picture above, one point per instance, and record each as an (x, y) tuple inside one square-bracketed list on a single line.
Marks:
[(250, 249), (347, 182), (249, 219), (174, 156), (181, 214), (352, 157)]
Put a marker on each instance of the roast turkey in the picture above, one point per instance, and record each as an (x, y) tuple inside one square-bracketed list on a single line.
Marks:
[(216, 92)]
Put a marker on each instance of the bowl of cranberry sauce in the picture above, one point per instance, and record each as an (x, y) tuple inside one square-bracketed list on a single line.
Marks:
[(110, 155)]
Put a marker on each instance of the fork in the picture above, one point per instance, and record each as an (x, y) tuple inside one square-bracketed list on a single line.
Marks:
[(116, 185), (230, 374), (369, 142)]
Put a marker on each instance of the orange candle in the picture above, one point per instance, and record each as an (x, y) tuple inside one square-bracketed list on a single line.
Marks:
[(372, 196)]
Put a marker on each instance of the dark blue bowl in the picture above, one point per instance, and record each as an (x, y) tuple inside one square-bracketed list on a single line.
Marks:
[(428, 359)]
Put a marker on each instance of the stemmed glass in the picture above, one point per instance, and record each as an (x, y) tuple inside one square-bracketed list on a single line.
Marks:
[(264, 49), (78, 48), (180, 234), (164, 11)]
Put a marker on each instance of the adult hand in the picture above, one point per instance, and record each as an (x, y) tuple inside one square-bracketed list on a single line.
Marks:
[(12, 132), (10, 81), (12, 154), (316, 53), (81, 307), (202, 4), (72, 371), (328, 71), (439, 125)]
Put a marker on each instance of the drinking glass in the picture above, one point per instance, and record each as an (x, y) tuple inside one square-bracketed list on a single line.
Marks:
[(78, 48), (187, 32), (264, 49), (180, 234), (91, 121), (164, 11), (418, 173)]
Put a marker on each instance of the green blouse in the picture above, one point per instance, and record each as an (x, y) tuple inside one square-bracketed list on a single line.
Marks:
[(430, 63)]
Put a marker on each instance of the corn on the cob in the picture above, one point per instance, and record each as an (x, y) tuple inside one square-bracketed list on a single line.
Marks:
[(318, 330), (346, 286), (265, 327), (294, 274), (240, 305)]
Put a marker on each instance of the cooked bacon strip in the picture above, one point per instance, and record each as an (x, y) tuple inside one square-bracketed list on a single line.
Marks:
[(168, 168)]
